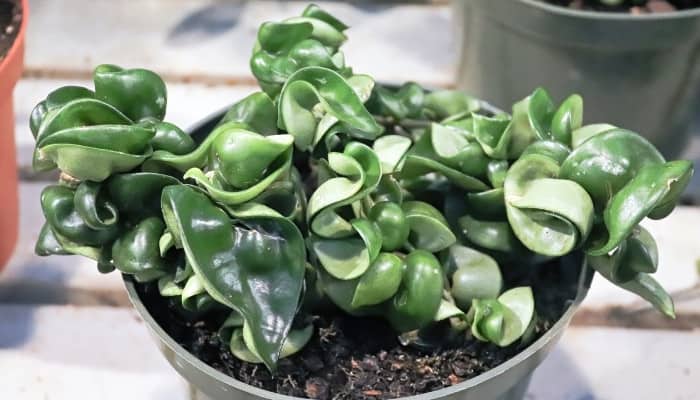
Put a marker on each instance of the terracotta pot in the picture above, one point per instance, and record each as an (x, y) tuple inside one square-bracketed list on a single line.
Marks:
[(10, 72)]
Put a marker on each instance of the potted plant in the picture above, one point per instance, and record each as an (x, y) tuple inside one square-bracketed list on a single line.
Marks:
[(634, 61), (13, 22), (332, 237)]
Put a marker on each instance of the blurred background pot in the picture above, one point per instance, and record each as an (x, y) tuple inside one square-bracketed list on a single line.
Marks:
[(641, 72), (10, 71), (508, 381)]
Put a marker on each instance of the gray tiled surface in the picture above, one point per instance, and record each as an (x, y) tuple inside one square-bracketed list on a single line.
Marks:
[(63, 325)]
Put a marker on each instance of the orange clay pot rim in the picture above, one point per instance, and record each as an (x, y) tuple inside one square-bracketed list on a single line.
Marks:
[(15, 50)]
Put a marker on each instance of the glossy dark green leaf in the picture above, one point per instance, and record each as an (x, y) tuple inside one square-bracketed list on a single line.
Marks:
[(491, 235), (567, 119), (257, 111), (420, 294), (359, 172), (317, 85), (405, 102), (256, 269), (59, 209), (138, 93), (90, 203), (446, 103), (136, 250), (654, 191), (548, 148), (391, 150), (242, 344), (392, 223), (138, 194), (474, 275), (586, 132), (54, 100), (546, 224), (168, 137), (505, 320), (314, 11), (629, 267), (429, 229), (604, 163), (380, 282)]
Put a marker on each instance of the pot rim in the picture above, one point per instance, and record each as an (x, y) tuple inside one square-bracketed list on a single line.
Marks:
[(610, 16), (14, 49), (584, 282)]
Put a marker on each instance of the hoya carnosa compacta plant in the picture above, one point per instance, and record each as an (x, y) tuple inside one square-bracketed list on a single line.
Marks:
[(392, 202)]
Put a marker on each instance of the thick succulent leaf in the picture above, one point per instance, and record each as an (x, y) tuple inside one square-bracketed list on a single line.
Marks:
[(47, 243), (604, 163), (317, 85), (314, 11), (168, 137), (586, 132), (546, 224), (242, 344), (94, 153), (519, 304), (487, 320), (474, 275), (200, 156), (496, 172), (494, 134), (505, 320), (554, 150), (491, 235), (380, 282), (226, 194), (138, 194), (567, 119), (654, 191), (420, 294), (488, 204), (50, 242), (256, 268), (538, 110), (447, 103), (242, 158), (257, 111), (54, 100), (359, 172), (92, 206), (629, 267), (391, 150), (429, 229), (136, 250), (138, 93), (74, 114), (322, 31), (167, 287), (391, 221), (422, 159), (406, 102), (57, 203)]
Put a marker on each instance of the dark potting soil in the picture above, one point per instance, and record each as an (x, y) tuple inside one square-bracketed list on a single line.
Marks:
[(361, 358), (10, 20), (630, 6)]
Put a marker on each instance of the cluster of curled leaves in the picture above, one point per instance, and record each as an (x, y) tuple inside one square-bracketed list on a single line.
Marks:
[(327, 188)]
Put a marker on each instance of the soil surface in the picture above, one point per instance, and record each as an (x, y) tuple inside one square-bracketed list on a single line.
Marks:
[(10, 20), (629, 6), (361, 358)]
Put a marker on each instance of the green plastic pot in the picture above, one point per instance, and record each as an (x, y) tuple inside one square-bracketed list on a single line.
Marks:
[(637, 71), (508, 381)]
